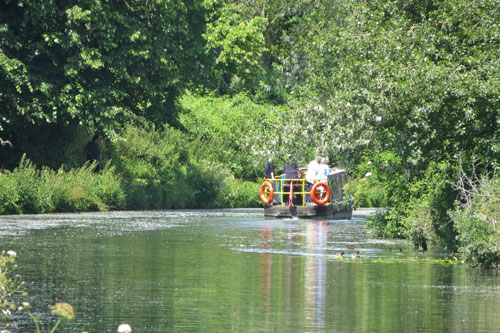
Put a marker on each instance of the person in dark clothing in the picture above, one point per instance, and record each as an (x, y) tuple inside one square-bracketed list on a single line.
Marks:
[(93, 152), (292, 172), (269, 169), (269, 173)]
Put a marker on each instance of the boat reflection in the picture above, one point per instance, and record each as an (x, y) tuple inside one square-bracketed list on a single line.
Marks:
[(306, 270)]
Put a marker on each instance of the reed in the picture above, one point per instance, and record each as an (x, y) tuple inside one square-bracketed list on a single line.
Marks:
[(28, 190)]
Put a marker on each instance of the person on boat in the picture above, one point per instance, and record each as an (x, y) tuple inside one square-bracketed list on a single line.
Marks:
[(312, 175), (93, 152), (291, 172), (269, 173), (269, 169), (323, 170)]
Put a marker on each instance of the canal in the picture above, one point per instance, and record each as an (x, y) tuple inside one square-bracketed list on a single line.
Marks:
[(235, 271)]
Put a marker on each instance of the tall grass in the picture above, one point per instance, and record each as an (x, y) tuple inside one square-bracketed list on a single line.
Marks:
[(27, 189)]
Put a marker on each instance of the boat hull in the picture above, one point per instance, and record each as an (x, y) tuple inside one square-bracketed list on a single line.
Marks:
[(330, 211)]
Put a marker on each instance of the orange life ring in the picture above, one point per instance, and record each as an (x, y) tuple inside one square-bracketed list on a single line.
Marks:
[(319, 201), (266, 200)]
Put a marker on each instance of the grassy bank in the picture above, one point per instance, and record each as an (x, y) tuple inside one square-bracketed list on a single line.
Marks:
[(130, 182)]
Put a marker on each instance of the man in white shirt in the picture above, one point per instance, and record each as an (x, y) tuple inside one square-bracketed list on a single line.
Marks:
[(312, 175), (324, 170)]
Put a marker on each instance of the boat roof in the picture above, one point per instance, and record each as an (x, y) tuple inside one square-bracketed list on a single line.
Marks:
[(336, 171)]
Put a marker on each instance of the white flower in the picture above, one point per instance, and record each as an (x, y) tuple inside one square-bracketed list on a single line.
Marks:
[(124, 328), (11, 253), (368, 174), (25, 306)]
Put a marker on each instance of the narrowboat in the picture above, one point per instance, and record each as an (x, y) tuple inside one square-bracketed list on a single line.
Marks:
[(292, 197)]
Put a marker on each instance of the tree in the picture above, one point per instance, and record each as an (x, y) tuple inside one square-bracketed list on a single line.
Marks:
[(237, 45), (95, 64)]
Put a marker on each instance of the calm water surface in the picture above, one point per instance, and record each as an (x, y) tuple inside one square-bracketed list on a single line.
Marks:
[(234, 271)]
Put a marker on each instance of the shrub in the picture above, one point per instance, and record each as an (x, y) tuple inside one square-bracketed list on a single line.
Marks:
[(238, 194), (29, 190), (154, 165), (382, 182), (367, 192), (426, 213), (223, 128), (9, 194), (387, 223), (379, 182), (163, 169), (26, 178), (476, 220)]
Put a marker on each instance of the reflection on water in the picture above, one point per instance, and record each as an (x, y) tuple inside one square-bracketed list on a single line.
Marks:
[(315, 274), (233, 270)]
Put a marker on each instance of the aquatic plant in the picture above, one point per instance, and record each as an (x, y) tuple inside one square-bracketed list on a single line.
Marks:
[(353, 258), (12, 292)]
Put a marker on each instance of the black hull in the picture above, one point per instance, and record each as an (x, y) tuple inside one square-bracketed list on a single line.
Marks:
[(310, 211)]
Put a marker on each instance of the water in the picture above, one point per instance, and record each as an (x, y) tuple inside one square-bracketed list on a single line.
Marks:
[(234, 271)]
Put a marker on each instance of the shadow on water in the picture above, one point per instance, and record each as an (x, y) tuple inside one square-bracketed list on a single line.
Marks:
[(233, 270)]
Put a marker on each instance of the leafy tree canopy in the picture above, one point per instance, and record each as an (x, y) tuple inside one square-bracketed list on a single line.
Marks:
[(97, 63)]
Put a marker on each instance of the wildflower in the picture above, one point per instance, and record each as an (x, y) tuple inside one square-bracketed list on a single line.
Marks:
[(11, 253), (24, 306), (64, 310), (368, 174), (124, 328)]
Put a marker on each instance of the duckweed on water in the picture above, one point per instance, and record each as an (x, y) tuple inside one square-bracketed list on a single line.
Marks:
[(393, 260)]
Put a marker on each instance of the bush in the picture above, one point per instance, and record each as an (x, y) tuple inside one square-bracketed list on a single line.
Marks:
[(164, 169), (148, 169), (476, 220), (388, 224), (367, 192), (154, 165), (382, 182), (29, 190), (9, 194), (239, 194), (426, 213), (379, 182), (223, 127)]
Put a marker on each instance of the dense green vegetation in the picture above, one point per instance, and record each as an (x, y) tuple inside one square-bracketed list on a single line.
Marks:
[(29, 190), (192, 96)]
